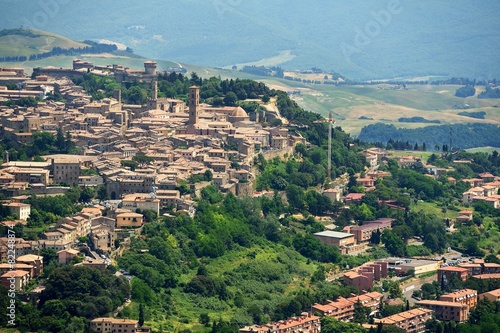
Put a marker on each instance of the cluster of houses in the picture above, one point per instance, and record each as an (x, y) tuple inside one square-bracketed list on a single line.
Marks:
[(182, 140), (485, 188)]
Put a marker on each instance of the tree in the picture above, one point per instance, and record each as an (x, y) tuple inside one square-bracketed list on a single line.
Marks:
[(395, 290), (141, 315), (375, 237), (295, 195), (102, 193), (230, 99), (394, 244), (333, 325), (137, 95), (205, 319), (360, 313)]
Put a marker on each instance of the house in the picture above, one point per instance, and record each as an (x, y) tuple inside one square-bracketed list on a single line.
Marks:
[(477, 268), (114, 325), (353, 197), (333, 194), (65, 256), (493, 295), (129, 220), (412, 321), (364, 276), (15, 279), (22, 210), (32, 260), (6, 267)]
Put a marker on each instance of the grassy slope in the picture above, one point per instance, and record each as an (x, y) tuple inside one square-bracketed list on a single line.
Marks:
[(431, 208), (266, 256), (18, 45)]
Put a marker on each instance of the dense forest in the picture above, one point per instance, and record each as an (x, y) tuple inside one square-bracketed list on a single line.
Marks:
[(463, 135)]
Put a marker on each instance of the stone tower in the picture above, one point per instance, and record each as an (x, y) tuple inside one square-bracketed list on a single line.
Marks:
[(150, 67), (194, 101)]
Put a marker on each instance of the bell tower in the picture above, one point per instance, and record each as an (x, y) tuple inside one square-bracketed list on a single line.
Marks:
[(194, 101)]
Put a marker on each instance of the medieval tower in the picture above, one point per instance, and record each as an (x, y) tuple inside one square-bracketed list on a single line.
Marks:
[(194, 101)]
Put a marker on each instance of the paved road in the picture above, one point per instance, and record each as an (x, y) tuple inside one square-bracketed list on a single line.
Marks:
[(410, 287)]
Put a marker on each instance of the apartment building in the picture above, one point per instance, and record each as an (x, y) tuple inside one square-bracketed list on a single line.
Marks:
[(446, 310), (364, 276), (364, 232), (128, 220), (468, 297), (343, 308), (477, 268), (412, 321), (305, 323), (66, 171), (30, 176), (335, 238), (446, 273), (141, 201)]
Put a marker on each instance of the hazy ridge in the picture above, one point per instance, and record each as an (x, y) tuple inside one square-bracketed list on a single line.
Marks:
[(361, 39)]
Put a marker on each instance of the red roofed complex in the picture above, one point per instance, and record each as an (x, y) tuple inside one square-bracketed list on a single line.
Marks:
[(412, 321), (306, 323)]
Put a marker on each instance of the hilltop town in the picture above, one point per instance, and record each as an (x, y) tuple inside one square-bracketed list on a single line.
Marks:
[(135, 174)]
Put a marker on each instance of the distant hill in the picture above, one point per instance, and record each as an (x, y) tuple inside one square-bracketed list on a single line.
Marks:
[(360, 39), (25, 42), (464, 135)]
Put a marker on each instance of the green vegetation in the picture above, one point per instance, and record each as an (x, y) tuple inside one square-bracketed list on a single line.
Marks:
[(464, 136), (25, 42), (72, 297), (466, 91), (477, 115), (32, 45)]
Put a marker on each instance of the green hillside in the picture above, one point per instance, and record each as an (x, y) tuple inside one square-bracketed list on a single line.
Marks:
[(25, 42)]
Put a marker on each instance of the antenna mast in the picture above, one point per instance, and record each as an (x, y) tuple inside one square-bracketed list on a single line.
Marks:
[(330, 122)]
